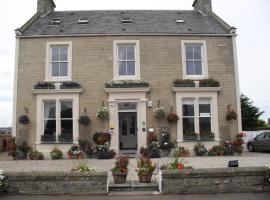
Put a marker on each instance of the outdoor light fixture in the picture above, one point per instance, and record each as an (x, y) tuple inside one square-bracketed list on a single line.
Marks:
[(233, 163)]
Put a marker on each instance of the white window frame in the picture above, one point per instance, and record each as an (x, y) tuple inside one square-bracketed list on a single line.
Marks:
[(48, 74), (204, 59), (58, 98), (137, 59), (180, 96)]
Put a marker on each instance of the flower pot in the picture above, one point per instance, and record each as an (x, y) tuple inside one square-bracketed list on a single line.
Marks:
[(120, 178), (70, 156), (180, 166), (145, 178)]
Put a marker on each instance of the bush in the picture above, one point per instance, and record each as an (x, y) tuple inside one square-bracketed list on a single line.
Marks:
[(200, 149), (87, 148), (217, 150), (103, 152), (153, 150), (165, 141), (100, 138), (35, 155)]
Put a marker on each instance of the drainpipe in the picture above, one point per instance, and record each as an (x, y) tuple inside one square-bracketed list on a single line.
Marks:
[(15, 87), (237, 85)]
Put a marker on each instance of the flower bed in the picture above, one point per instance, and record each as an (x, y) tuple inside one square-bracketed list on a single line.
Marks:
[(127, 84)]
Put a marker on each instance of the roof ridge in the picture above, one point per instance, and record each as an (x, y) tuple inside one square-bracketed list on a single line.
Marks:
[(121, 10)]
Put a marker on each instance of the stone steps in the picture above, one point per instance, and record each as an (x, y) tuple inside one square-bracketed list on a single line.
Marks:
[(134, 186)]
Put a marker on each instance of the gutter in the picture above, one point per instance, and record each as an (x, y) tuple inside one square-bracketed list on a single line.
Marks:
[(126, 34)]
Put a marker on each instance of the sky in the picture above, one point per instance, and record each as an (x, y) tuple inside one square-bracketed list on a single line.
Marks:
[(249, 16)]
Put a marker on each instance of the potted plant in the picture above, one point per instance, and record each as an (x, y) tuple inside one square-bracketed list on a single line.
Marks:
[(189, 135), (172, 117), (56, 154), (159, 112), (104, 152), (101, 138), (200, 149), (75, 152), (120, 170), (217, 150), (145, 169), (181, 152), (231, 114), (103, 112)]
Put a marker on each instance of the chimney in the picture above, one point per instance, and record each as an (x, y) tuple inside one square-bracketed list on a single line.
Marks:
[(205, 6), (44, 7)]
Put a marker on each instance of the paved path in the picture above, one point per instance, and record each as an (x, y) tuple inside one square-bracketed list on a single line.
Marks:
[(249, 160), (242, 196)]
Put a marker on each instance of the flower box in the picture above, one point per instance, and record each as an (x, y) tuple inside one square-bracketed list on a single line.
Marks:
[(127, 84)]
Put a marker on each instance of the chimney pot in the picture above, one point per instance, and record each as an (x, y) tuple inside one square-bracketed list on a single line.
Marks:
[(45, 7), (205, 6)]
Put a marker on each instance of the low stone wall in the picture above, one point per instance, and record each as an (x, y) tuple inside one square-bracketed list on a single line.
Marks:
[(57, 183), (227, 180)]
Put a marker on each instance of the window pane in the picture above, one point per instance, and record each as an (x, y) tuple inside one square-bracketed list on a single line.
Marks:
[(204, 107), (197, 52), (130, 52), (205, 124), (127, 106), (122, 68), (63, 69), (64, 53), (66, 109), (66, 131), (49, 110), (188, 125), (190, 68), (55, 53), (198, 67), (130, 68), (188, 110), (49, 127), (55, 70), (122, 52), (189, 52)]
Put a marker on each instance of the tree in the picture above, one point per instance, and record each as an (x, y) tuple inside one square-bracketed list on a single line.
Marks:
[(250, 115)]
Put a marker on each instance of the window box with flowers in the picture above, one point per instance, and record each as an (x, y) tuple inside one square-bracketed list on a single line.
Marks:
[(44, 85), (209, 83), (127, 84), (183, 83), (70, 85)]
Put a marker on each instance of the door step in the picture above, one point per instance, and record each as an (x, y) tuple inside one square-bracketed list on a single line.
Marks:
[(134, 186), (134, 193)]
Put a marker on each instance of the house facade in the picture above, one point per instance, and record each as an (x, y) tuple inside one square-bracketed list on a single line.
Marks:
[(73, 63)]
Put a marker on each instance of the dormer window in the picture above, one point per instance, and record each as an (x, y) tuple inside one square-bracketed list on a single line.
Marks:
[(58, 67), (126, 20), (84, 20), (56, 21)]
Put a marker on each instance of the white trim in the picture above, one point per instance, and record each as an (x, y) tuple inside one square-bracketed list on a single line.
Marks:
[(15, 88), (57, 97), (196, 89), (140, 99), (137, 60), (204, 58), (48, 76), (56, 91), (237, 85), (194, 95)]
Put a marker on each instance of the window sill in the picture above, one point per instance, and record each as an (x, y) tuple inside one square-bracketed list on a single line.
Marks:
[(196, 89), (56, 91)]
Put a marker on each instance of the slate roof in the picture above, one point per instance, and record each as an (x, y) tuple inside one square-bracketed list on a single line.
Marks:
[(109, 22)]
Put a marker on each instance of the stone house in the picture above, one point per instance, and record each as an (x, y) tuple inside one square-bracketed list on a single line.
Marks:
[(64, 59)]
